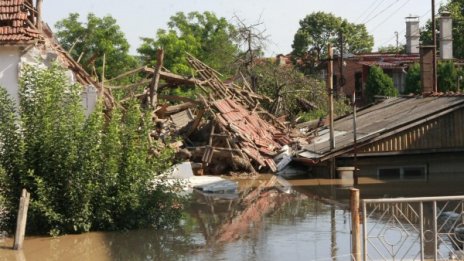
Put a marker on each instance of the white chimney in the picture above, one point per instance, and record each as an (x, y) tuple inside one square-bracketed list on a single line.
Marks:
[(412, 34), (446, 36)]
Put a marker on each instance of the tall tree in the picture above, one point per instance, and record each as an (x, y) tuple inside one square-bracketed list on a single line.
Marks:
[(293, 94), (206, 36), (319, 29), (89, 41), (379, 83)]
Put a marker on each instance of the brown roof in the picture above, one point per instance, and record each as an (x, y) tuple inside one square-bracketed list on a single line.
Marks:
[(257, 138), (14, 24)]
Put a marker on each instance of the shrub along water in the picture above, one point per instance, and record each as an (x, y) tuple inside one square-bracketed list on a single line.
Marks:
[(84, 174)]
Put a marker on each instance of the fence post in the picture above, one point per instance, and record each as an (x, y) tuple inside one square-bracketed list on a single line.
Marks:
[(355, 225), (21, 220)]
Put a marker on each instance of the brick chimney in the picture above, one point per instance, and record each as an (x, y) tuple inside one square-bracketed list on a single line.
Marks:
[(412, 34), (446, 36), (426, 65)]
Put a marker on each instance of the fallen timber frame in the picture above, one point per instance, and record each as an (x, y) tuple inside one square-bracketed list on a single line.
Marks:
[(240, 128)]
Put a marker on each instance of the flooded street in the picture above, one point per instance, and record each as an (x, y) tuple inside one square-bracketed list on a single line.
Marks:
[(311, 223), (274, 226)]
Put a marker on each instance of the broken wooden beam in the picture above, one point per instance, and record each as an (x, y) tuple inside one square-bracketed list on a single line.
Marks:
[(156, 77)]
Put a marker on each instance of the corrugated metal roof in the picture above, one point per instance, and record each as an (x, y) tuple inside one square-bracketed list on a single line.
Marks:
[(381, 119)]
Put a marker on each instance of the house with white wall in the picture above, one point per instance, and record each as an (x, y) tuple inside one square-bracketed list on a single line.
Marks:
[(25, 39)]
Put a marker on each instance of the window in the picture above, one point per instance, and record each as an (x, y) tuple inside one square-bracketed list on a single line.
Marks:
[(389, 174), (402, 173)]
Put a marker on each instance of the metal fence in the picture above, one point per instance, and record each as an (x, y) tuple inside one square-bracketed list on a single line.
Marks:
[(426, 228)]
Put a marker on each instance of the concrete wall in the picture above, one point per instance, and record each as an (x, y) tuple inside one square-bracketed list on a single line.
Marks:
[(9, 60)]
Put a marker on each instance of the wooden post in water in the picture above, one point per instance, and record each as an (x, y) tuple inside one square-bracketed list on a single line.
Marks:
[(355, 225), (21, 220)]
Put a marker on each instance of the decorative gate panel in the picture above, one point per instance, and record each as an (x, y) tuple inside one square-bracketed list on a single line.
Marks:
[(429, 228)]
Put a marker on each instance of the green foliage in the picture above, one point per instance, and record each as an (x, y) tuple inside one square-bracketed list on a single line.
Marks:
[(392, 49), (3, 202), (288, 87), (447, 76), (318, 29), (204, 35), (94, 39), (379, 83), (83, 173), (11, 159), (413, 79)]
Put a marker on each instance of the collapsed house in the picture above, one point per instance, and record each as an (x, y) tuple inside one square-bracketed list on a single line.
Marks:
[(223, 128)]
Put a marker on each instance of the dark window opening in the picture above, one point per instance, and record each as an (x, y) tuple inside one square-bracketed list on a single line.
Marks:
[(402, 173), (414, 173), (387, 174)]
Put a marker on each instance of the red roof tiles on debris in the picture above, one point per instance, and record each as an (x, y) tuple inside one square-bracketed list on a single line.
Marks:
[(258, 138), (14, 25)]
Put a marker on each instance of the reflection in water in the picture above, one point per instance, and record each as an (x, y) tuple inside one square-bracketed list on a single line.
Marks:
[(262, 224)]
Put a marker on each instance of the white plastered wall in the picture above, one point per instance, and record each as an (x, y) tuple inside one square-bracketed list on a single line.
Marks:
[(13, 58), (9, 67)]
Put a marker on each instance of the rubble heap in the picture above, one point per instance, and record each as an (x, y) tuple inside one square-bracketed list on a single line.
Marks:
[(224, 127)]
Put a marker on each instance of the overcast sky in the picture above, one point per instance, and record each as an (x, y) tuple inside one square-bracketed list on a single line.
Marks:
[(142, 18)]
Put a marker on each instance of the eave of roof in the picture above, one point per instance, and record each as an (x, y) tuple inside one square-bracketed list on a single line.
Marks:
[(383, 120)]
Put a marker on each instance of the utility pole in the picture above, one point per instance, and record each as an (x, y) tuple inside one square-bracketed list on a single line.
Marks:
[(341, 81), (397, 42), (355, 141), (330, 90), (434, 36)]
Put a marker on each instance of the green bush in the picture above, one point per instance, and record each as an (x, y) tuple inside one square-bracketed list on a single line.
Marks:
[(84, 174), (447, 76), (413, 80), (379, 83)]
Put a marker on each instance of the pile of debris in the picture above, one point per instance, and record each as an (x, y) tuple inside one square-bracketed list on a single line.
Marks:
[(224, 127)]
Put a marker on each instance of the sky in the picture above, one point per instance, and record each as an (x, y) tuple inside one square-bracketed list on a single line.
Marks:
[(280, 18)]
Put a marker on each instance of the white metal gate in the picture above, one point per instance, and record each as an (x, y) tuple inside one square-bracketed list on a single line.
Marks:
[(427, 228)]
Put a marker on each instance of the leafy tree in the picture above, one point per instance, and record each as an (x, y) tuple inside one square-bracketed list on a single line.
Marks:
[(204, 35), (447, 76), (319, 29), (89, 42), (83, 173), (293, 93), (379, 83), (413, 79)]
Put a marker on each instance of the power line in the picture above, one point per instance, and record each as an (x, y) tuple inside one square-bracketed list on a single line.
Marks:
[(388, 17), (372, 11), (379, 13), (365, 11), (404, 29)]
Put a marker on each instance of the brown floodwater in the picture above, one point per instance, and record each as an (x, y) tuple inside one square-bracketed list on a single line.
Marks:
[(311, 223)]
